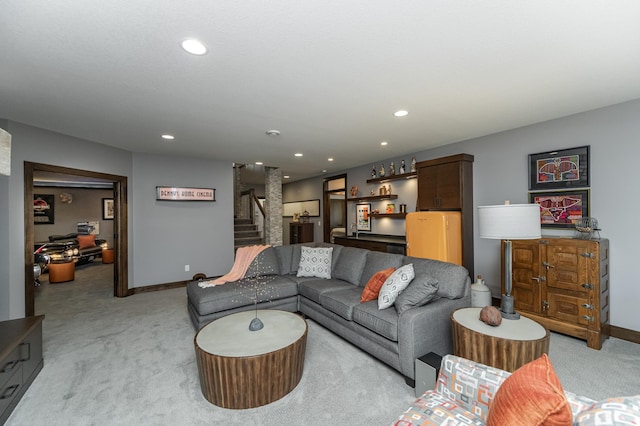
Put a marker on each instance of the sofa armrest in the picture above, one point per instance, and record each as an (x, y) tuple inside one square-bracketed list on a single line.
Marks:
[(426, 329), (470, 384)]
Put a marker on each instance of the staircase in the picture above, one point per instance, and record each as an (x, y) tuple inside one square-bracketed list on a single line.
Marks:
[(245, 233)]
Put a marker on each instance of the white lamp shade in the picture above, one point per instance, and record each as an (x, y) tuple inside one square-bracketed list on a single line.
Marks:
[(5, 153), (509, 222)]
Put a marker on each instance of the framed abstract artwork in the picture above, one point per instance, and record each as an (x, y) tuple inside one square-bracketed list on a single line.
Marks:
[(561, 169), (561, 209), (363, 216)]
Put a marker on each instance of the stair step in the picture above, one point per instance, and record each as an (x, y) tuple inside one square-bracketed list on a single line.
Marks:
[(245, 226), (239, 221)]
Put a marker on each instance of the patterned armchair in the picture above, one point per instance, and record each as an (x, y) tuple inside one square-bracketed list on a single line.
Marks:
[(465, 389)]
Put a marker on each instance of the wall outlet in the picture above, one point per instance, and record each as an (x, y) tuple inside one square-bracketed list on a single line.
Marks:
[(187, 268)]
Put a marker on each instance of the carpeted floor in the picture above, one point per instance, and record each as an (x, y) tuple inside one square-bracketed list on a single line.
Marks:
[(112, 361)]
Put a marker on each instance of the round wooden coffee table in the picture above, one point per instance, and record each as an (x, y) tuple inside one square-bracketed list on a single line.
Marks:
[(507, 346), (239, 368)]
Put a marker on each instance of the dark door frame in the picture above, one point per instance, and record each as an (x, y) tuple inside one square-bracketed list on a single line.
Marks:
[(120, 228), (326, 207)]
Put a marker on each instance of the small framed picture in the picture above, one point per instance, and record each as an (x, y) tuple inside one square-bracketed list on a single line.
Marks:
[(108, 212), (561, 169), (561, 209), (363, 216)]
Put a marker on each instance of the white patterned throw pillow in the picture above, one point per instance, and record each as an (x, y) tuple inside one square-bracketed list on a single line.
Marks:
[(392, 287), (315, 262)]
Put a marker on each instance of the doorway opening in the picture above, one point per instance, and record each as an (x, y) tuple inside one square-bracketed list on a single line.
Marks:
[(335, 208), (120, 227)]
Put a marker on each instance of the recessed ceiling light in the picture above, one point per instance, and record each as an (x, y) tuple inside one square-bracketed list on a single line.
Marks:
[(298, 154), (383, 143), (324, 171), (286, 176), (168, 137), (329, 159), (259, 163), (401, 113), (194, 47), (273, 132)]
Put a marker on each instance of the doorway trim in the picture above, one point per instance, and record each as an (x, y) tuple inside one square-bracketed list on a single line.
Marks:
[(120, 229)]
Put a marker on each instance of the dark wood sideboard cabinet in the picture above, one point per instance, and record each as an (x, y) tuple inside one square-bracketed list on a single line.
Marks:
[(300, 232), (446, 184), (20, 360), (563, 283)]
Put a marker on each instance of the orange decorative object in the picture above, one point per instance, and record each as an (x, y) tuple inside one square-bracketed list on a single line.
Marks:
[(62, 272), (107, 255)]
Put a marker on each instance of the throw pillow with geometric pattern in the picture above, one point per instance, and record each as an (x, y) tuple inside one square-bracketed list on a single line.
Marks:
[(315, 262), (392, 287)]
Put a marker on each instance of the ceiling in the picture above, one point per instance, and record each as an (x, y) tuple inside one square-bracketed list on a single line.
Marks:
[(327, 74)]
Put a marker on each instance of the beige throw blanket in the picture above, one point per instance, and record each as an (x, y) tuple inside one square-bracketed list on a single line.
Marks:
[(244, 257)]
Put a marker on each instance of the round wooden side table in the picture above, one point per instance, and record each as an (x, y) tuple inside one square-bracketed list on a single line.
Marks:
[(507, 346), (239, 368)]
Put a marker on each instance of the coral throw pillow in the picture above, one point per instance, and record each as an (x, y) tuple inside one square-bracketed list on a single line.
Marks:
[(374, 285), (86, 241), (532, 395)]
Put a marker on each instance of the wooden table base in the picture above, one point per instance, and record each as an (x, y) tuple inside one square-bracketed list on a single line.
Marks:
[(248, 382), (506, 354)]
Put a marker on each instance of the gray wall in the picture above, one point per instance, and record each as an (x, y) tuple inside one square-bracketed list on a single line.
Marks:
[(157, 252), (500, 173), (310, 189), (171, 234)]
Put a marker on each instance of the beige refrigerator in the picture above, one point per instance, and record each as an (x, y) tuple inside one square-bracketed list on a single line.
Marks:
[(435, 235)]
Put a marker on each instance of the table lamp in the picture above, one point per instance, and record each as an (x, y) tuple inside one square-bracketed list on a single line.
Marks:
[(509, 222)]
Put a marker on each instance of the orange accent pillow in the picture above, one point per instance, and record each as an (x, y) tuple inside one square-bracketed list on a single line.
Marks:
[(374, 285), (532, 395), (86, 241)]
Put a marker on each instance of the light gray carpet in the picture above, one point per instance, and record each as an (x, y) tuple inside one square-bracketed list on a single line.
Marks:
[(112, 361)]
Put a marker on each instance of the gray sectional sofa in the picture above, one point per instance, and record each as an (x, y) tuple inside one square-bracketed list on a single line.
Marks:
[(396, 339)]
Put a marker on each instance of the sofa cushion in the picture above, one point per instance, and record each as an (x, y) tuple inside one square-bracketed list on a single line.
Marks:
[(239, 293), (377, 261), (341, 302), (372, 289), (265, 263), (350, 264), (422, 290), (313, 288), (383, 322), (532, 395), (284, 254), (452, 279), (611, 411), (315, 262), (295, 257), (392, 287)]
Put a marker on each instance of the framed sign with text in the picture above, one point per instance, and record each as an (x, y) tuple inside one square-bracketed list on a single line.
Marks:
[(172, 193)]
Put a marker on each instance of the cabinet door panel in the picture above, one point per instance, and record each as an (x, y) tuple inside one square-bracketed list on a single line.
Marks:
[(448, 176), (427, 188), (526, 287), (567, 308), (566, 268)]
